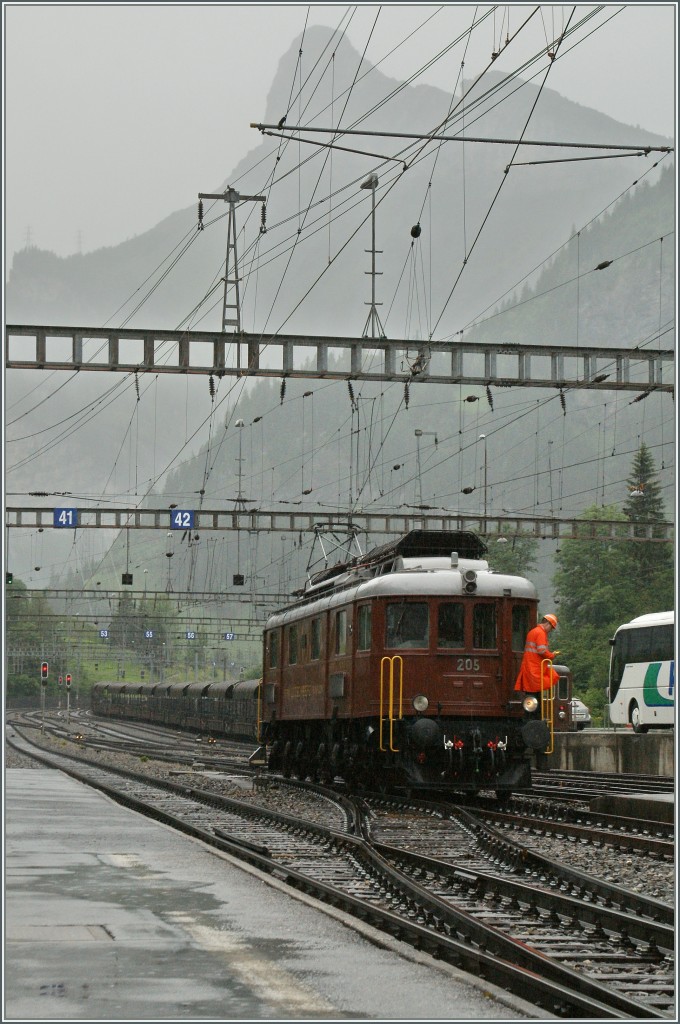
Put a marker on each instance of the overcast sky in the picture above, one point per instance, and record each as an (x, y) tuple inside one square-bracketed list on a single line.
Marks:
[(117, 115)]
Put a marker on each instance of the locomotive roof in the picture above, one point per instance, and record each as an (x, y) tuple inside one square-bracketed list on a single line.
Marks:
[(415, 544), (429, 544), (427, 578)]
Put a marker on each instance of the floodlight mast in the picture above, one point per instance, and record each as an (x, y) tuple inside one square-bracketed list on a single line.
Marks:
[(373, 319), (231, 196)]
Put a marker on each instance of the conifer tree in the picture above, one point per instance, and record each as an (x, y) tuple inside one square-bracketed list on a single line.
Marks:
[(602, 583)]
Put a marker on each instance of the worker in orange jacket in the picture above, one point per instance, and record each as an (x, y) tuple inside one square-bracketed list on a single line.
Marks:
[(536, 650)]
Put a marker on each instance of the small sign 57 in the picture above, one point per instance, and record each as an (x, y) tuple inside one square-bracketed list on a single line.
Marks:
[(182, 519)]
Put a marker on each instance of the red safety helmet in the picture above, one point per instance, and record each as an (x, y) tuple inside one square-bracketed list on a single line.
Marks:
[(552, 619)]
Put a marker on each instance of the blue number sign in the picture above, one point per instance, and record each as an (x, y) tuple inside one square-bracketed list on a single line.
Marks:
[(104, 633), (190, 634), (148, 634), (66, 517), (182, 519), (230, 636)]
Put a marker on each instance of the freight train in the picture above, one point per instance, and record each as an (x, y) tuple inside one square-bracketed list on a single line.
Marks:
[(224, 709), (395, 669)]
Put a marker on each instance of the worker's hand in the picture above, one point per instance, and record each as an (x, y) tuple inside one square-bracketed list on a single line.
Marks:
[(555, 653)]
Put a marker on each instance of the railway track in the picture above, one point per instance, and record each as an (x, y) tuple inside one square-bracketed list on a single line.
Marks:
[(627, 835), (585, 785), (575, 947)]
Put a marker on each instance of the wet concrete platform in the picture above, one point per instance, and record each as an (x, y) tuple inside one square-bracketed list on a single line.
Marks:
[(109, 916), (640, 806)]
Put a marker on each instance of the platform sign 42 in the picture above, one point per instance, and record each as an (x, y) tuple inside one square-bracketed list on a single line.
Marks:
[(182, 519)]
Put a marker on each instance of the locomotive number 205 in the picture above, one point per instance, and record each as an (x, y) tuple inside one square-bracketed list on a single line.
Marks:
[(468, 665)]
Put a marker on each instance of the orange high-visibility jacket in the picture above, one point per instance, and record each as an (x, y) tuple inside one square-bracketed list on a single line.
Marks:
[(535, 651)]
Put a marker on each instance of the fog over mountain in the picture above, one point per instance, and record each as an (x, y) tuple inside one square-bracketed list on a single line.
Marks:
[(480, 251)]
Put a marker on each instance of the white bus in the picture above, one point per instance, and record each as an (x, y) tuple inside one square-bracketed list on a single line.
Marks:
[(642, 673)]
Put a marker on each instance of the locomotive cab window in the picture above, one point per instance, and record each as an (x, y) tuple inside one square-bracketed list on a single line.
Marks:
[(292, 645), (315, 651), (408, 625), (341, 631), (520, 626), (484, 626), (364, 627), (451, 624), (273, 649)]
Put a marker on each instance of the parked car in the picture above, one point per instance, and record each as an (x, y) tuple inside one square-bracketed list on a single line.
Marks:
[(580, 714)]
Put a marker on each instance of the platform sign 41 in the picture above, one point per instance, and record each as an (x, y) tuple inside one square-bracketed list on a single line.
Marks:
[(66, 518)]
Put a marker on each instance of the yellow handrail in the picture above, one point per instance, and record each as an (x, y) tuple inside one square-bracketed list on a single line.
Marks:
[(391, 709), (548, 704), (259, 710)]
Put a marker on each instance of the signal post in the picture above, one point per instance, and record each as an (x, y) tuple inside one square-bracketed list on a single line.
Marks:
[(44, 673)]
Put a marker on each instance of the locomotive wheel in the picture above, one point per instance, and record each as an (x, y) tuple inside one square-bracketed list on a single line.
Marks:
[(324, 771), (287, 761), (300, 762), (275, 756), (503, 796)]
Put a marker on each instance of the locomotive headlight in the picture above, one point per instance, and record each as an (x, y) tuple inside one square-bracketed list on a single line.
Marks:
[(420, 702), (529, 703)]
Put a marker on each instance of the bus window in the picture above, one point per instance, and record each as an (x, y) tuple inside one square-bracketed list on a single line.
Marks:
[(662, 643), (639, 645)]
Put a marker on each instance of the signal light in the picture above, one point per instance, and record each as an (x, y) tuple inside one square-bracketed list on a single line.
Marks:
[(9, 578), (68, 681), (44, 670), (126, 579)]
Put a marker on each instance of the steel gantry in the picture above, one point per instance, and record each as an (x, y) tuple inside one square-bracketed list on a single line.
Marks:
[(130, 350), (370, 523)]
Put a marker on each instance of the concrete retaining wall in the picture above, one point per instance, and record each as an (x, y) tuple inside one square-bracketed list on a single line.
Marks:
[(621, 752)]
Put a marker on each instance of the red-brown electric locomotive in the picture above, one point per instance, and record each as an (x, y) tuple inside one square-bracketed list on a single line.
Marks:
[(397, 669)]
